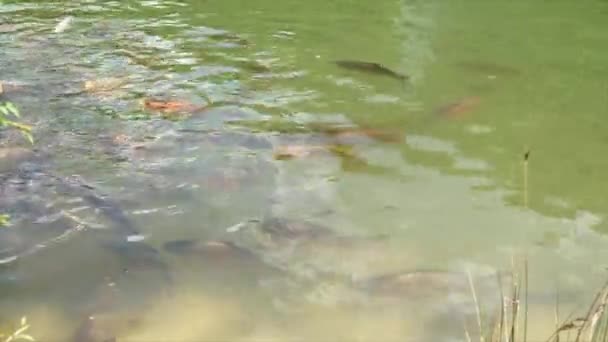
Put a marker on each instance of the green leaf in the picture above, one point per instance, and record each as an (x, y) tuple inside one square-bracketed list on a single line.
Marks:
[(11, 108), (19, 126), (28, 136), (7, 109)]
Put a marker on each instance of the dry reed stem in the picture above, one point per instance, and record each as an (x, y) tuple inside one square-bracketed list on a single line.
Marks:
[(526, 299), (525, 169), (466, 331), (514, 303), (477, 307), (503, 308), (557, 313), (600, 299), (598, 313)]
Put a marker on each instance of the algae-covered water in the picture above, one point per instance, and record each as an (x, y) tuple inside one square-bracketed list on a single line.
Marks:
[(306, 201)]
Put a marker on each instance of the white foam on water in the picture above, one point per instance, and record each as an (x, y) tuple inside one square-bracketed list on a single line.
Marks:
[(8, 260), (64, 24), (135, 238)]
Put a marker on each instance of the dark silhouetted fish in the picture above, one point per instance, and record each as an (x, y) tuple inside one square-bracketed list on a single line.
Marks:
[(370, 67), (89, 330), (417, 284), (45, 219), (222, 255), (281, 228), (209, 249), (109, 208), (138, 256)]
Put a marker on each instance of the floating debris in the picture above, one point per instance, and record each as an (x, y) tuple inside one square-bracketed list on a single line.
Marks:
[(370, 67), (235, 228), (64, 24), (135, 238)]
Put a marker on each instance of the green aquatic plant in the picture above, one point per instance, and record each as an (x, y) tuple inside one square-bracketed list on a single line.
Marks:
[(9, 110), (4, 220), (19, 334)]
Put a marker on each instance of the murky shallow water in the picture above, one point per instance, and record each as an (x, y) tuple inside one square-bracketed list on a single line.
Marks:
[(424, 181)]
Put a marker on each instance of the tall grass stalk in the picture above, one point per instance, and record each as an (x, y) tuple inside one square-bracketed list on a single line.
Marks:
[(477, 307), (593, 327), (525, 175)]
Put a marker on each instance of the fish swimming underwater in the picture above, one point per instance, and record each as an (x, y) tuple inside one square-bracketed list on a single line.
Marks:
[(459, 109), (42, 207), (370, 67)]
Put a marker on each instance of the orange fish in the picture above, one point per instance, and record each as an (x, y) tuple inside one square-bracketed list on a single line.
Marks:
[(171, 107), (296, 151), (460, 108)]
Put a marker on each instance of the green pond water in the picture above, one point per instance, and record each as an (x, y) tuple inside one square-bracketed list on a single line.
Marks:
[(434, 164)]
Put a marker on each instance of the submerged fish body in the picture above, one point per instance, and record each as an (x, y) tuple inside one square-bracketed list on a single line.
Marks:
[(442, 292), (208, 249), (136, 253), (76, 186), (371, 67), (138, 257), (459, 109), (91, 330), (118, 304), (103, 84), (391, 135), (46, 209), (417, 284), (284, 229), (222, 256), (11, 157)]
